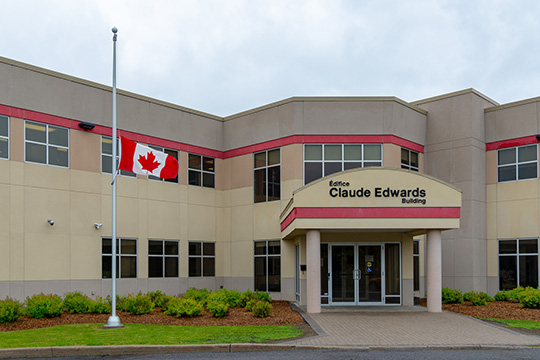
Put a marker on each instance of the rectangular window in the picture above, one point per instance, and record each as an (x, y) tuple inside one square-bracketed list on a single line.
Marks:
[(409, 159), (517, 163), (416, 265), (202, 259), (163, 258), (267, 176), (126, 258), (518, 263), (4, 137), (46, 144), (202, 171), (324, 159), (106, 157), (268, 265), (170, 152)]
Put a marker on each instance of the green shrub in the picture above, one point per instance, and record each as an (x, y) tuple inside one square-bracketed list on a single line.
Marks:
[(262, 309), (233, 297), (41, 305), (503, 296), (217, 308), (450, 296), (139, 304), (263, 296), (468, 296), (530, 298), (120, 302), (478, 300), (250, 304), (198, 295), (515, 294), (76, 302), (160, 299), (245, 297), (101, 306), (10, 310), (184, 307)]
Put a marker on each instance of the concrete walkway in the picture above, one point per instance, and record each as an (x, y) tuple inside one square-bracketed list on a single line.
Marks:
[(407, 327), (360, 328)]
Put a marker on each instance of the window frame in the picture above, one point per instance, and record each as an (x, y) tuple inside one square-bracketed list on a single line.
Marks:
[(119, 257), (516, 163), (201, 171), (201, 256), (165, 256), (266, 168), (5, 137), (121, 172), (171, 152), (416, 265), (46, 144), (362, 161), (266, 256), (408, 165), (517, 255)]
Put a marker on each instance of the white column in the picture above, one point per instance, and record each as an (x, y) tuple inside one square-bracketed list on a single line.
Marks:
[(313, 257), (434, 271)]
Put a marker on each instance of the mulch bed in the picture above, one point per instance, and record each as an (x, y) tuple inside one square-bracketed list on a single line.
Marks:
[(282, 314)]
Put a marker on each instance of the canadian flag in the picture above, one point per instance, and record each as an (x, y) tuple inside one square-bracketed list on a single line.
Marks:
[(143, 160)]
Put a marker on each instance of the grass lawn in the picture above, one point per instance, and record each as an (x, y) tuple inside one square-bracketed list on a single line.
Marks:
[(139, 334), (524, 324)]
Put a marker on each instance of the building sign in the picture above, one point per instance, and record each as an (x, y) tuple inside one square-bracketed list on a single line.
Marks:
[(344, 189)]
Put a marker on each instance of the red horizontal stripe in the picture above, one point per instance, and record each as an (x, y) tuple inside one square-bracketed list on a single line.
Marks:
[(371, 213), (527, 140), (288, 140)]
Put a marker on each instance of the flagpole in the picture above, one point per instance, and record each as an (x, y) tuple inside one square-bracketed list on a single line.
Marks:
[(114, 320)]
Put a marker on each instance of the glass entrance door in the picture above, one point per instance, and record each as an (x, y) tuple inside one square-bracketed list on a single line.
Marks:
[(370, 274), (356, 274)]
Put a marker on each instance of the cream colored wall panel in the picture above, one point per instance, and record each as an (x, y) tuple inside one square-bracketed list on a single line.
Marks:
[(197, 130), (144, 220), (84, 151), (85, 257), (5, 208), (182, 168), (184, 222), (84, 181), (16, 209), (241, 171), (142, 257), (184, 258), (264, 125), (16, 139), (223, 225), (202, 223), (47, 94), (266, 223), (491, 193), (16, 251), (242, 223), (46, 255), (223, 256), (391, 155), (491, 167), (126, 186), (288, 259), (85, 211), (237, 132), (5, 262), (516, 219), (492, 249), (242, 258), (288, 187), (198, 195), (407, 257), (508, 128), (127, 221), (292, 160), (134, 114), (91, 104), (517, 190), (43, 176), (242, 196), (17, 172), (43, 204), (491, 220), (162, 220), (222, 175), (160, 190), (223, 198), (106, 187), (5, 171)]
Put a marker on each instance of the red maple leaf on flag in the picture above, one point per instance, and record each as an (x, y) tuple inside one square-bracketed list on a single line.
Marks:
[(148, 162)]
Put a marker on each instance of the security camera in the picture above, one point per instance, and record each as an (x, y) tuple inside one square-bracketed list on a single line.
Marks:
[(50, 222), (97, 226)]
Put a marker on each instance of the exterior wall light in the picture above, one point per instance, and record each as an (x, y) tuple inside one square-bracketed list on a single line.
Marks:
[(97, 226), (86, 125), (51, 222)]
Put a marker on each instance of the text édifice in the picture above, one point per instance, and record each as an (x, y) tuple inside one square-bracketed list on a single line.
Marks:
[(340, 189)]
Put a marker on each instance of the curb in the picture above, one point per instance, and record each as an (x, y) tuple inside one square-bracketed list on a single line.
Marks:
[(72, 351)]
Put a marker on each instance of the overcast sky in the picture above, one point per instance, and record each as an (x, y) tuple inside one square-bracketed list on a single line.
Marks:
[(226, 56)]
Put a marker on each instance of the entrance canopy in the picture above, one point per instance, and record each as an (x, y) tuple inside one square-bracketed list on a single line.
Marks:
[(372, 199)]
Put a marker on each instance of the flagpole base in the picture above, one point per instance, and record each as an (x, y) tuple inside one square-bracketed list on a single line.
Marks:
[(113, 323)]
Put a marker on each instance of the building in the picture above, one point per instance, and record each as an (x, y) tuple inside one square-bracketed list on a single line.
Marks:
[(322, 200)]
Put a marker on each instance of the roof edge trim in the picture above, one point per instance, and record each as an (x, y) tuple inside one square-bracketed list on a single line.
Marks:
[(454, 94), (512, 104)]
